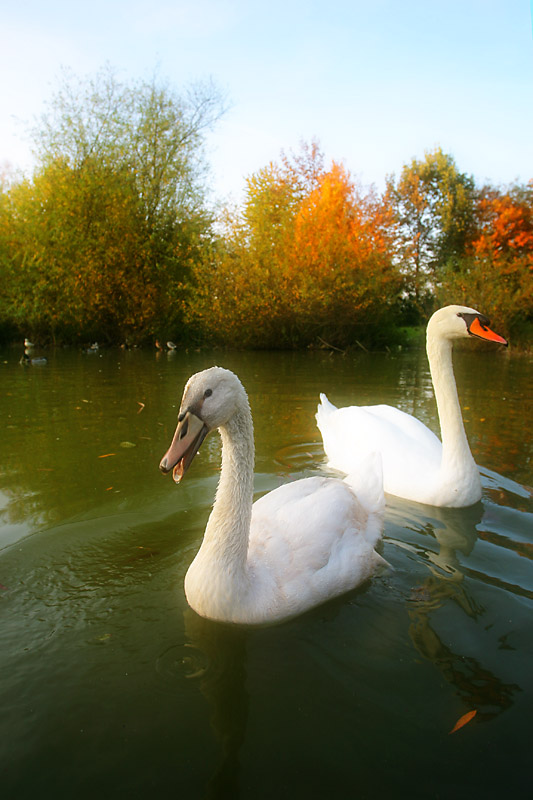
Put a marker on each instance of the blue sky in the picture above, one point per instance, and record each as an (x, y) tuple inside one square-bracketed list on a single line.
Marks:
[(376, 83)]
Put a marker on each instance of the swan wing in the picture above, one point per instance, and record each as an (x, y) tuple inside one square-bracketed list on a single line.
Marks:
[(411, 453), (314, 539)]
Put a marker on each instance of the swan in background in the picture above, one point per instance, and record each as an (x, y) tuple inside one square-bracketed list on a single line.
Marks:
[(416, 464), (296, 547)]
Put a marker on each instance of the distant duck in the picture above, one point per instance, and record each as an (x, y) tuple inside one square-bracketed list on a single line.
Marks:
[(27, 343), (27, 361), (159, 346), (94, 348)]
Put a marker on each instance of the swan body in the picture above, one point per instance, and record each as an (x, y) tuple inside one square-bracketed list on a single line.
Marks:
[(296, 547), (417, 465)]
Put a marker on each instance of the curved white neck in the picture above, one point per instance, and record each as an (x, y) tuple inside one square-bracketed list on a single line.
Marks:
[(228, 529), (456, 453)]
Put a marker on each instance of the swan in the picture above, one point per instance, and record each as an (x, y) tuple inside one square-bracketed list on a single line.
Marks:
[(296, 547), (416, 464)]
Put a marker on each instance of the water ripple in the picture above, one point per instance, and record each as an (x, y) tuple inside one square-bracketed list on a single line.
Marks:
[(181, 661)]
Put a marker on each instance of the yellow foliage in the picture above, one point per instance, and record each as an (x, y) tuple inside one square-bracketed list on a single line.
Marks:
[(309, 256)]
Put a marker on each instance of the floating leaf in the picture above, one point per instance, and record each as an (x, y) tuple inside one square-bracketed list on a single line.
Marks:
[(106, 455), (127, 444), (141, 406), (463, 720)]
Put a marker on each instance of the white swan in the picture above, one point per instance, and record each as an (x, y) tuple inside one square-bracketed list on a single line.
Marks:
[(416, 465), (296, 547)]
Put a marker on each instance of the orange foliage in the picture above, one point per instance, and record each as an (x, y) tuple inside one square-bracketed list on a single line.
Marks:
[(506, 227), (311, 256), (498, 269)]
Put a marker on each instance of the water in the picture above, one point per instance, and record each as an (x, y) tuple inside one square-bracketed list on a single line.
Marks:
[(111, 686)]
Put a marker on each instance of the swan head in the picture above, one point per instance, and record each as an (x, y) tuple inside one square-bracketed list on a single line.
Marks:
[(459, 322), (210, 399)]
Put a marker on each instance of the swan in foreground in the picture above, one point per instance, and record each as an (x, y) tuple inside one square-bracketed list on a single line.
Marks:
[(416, 464), (296, 547)]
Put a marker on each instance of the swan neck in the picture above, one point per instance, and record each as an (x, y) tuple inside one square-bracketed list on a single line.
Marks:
[(453, 436), (228, 529)]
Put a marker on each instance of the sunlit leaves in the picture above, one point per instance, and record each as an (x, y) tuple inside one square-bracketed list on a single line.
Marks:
[(434, 205), (100, 242), (309, 255), (497, 270)]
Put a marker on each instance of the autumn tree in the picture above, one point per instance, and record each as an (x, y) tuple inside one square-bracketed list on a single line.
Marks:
[(82, 255), (434, 205), (103, 236), (307, 260), (497, 271)]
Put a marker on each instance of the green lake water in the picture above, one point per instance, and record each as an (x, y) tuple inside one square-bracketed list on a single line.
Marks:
[(111, 687)]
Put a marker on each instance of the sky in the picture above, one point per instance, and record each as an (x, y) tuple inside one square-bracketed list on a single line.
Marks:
[(376, 83)]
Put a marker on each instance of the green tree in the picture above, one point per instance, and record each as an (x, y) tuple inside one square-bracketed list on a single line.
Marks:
[(434, 205), (101, 240)]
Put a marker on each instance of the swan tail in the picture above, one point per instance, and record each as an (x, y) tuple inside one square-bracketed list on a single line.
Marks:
[(325, 408)]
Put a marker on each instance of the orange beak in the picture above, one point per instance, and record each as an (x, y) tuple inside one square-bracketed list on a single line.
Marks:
[(484, 332)]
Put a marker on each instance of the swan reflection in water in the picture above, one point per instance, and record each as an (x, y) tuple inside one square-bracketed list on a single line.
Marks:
[(455, 532), (223, 683), (442, 541)]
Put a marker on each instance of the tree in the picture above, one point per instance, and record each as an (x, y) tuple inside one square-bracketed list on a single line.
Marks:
[(434, 205), (310, 257), (115, 212), (497, 271), (342, 253)]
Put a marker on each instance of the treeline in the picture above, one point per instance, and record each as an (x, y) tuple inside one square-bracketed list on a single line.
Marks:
[(113, 237)]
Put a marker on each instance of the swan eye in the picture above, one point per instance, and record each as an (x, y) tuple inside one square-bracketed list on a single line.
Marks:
[(208, 393)]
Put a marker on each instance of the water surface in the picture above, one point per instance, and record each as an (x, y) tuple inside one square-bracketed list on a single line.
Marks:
[(111, 686)]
